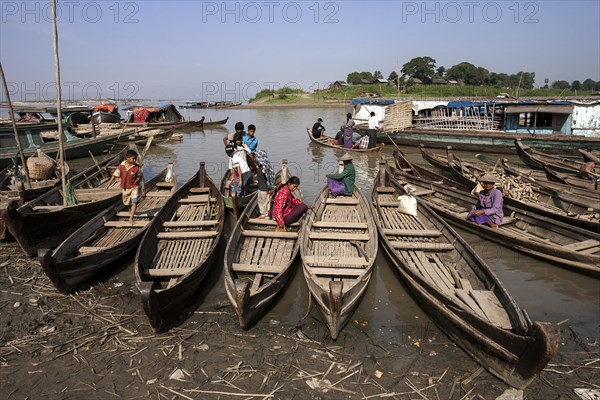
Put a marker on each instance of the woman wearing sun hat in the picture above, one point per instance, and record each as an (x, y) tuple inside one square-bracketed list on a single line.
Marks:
[(488, 210), (342, 184)]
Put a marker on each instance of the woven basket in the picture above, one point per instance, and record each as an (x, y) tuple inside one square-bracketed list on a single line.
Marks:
[(40, 166)]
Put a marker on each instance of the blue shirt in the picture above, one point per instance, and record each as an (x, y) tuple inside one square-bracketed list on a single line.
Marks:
[(251, 142)]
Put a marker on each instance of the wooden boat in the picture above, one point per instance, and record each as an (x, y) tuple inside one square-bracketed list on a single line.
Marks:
[(178, 248), (545, 238), (570, 179), (163, 116), (325, 140), (215, 123), (590, 156), (93, 249), (338, 245), (232, 202), (31, 138), (258, 260), (103, 117), (545, 202), (584, 195), (406, 166), (459, 290), (45, 222), (537, 159)]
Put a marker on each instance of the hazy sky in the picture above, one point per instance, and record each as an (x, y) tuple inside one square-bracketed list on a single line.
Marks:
[(219, 50)]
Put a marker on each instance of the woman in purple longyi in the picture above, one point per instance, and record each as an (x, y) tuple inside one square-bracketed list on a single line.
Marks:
[(488, 210)]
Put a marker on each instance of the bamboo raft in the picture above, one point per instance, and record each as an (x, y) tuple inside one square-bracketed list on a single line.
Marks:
[(459, 291), (553, 241), (178, 249), (338, 245), (93, 249), (326, 141), (258, 260)]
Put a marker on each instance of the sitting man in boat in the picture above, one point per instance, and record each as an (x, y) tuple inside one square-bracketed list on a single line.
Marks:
[(318, 129), (489, 208), (363, 143), (342, 183), (286, 208), (130, 173), (239, 128)]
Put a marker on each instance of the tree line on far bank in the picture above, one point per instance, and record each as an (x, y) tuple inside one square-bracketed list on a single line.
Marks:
[(424, 69)]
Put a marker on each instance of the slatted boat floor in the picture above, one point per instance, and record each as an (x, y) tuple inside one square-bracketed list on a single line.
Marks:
[(430, 258), (186, 239), (119, 228), (337, 245)]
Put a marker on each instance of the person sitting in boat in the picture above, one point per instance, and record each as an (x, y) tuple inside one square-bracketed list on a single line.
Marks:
[(339, 139), (363, 142), (347, 129), (286, 208), (130, 173), (342, 183), (318, 129), (587, 171), (489, 208), (239, 171)]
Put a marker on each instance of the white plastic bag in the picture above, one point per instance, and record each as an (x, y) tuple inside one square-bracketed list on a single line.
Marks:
[(408, 205)]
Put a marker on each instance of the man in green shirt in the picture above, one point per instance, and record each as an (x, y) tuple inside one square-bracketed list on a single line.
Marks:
[(342, 183)]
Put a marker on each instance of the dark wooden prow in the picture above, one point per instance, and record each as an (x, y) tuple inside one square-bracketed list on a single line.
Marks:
[(335, 306), (150, 307), (234, 206), (242, 294), (202, 174)]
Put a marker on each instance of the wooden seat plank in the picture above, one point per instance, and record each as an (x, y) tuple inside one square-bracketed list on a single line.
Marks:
[(160, 272), (186, 235), (190, 224), (578, 246), (164, 184), (89, 249), (386, 189), (347, 201), (337, 271), (125, 214), (412, 232), (159, 194), (126, 224), (338, 236), (267, 222), (430, 246), (463, 295), (341, 225), (422, 192), (258, 268), (269, 234), (200, 190), (335, 260)]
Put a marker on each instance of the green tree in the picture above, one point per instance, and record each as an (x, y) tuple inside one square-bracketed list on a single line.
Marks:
[(468, 73), (441, 71), (420, 67), (590, 84), (393, 76), (576, 85), (377, 75), (354, 78), (560, 85)]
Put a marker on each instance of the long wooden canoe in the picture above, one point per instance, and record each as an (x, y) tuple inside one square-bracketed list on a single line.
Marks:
[(570, 179), (92, 249), (545, 238), (537, 159), (215, 123), (338, 245), (258, 260), (178, 249), (459, 291), (548, 203), (44, 222), (590, 156), (325, 140)]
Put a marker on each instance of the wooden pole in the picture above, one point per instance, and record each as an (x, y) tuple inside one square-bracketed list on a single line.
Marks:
[(14, 125), (58, 104)]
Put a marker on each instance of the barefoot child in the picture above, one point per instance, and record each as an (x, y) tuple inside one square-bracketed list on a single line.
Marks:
[(131, 178)]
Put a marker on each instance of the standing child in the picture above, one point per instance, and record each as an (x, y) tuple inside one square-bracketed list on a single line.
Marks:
[(265, 178), (240, 173), (131, 176)]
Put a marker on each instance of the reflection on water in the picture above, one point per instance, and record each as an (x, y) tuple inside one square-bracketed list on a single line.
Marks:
[(547, 292)]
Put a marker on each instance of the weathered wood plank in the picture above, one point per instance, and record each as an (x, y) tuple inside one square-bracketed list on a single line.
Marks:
[(578, 246), (334, 260), (267, 222), (126, 224), (190, 224), (270, 234), (160, 272), (492, 308), (258, 268), (463, 295), (339, 236), (341, 225), (200, 190), (89, 249), (186, 235), (347, 201), (430, 246), (337, 271), (412, 232)]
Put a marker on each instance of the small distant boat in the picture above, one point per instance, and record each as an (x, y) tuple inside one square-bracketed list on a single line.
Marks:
[(213, 123), (537, 159), (338, 245), (92, 249), (258, 260), (459, 290), (162, 116), (179, 248), (325, 140)]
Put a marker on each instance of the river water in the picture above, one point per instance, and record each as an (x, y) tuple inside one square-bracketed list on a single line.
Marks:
[(547, 292)]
